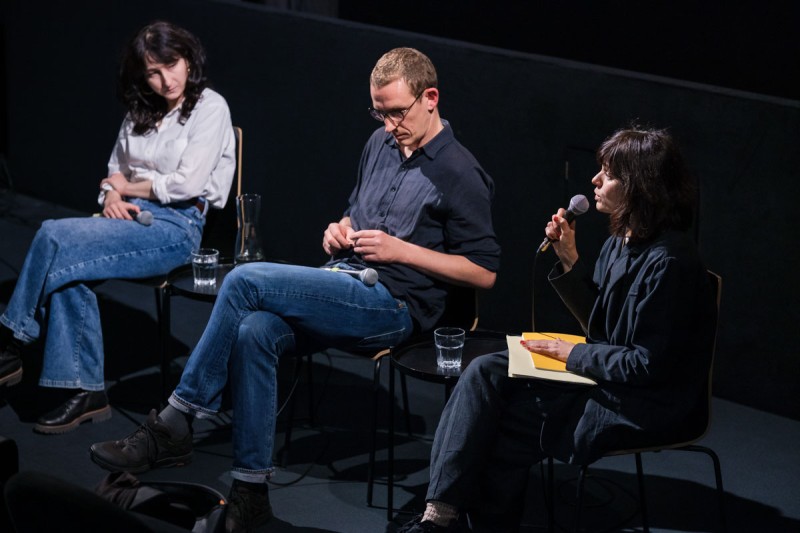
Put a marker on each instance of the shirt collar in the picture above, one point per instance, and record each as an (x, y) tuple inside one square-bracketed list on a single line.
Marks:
[(431, 148), (176, 109)]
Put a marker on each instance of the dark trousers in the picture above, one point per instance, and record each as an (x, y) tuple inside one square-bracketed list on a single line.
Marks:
[(488, 438)]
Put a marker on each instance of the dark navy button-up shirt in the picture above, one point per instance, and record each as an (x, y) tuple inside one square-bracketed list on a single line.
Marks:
[(439, 198)]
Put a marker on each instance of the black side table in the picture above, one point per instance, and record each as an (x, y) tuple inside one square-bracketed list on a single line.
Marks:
[(418, 360), (181, 281)]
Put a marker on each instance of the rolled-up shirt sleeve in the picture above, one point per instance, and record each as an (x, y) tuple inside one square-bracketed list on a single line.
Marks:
[(119, 160)]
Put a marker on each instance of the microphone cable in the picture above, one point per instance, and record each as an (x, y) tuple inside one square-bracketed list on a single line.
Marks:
[(533, 291)]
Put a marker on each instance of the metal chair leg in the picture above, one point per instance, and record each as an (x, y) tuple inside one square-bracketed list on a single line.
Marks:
[(721, 522), (310, 378), (579, 499), (376, 382), (642, 498), (550, 496), (163, 301), (292, 402), (404, 390), (158, 292), (390, 478)]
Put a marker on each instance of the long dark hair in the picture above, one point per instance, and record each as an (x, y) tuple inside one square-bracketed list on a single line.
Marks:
[(658, 191), (165, 43)]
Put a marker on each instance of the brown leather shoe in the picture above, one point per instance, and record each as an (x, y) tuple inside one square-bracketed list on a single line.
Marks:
[(86, 405)]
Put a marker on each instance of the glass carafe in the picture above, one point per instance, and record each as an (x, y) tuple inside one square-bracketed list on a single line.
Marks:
[(248, 245)]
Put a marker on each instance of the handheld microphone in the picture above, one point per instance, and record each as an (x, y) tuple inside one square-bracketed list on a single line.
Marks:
[(578, 205), (145, 218), (368, 276)]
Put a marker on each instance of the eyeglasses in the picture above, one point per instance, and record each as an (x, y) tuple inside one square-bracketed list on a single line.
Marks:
[(395, 116)]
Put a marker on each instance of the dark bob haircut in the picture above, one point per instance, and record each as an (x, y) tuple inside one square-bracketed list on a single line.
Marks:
[(160, 42), (658, 192)]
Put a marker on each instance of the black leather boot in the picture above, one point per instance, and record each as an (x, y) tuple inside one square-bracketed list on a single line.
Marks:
[(86, 405), (248, 506)]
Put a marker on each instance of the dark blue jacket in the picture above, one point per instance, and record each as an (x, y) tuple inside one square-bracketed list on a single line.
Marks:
[(650, 318)]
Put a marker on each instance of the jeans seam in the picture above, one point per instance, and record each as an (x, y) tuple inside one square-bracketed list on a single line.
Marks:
[(108, 258), (230, 341), (316, 297), (79, 340)]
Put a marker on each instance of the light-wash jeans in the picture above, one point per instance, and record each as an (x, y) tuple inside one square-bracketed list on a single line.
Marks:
[(53, 295), (262, 312)]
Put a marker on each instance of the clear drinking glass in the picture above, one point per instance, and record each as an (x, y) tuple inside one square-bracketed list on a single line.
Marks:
[(449, 345), (204, 266)]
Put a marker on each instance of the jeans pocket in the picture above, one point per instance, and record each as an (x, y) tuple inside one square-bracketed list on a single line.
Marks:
[(192, 221)]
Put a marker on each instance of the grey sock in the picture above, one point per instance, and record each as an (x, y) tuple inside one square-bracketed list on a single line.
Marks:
[(179, 423), (440, 513)]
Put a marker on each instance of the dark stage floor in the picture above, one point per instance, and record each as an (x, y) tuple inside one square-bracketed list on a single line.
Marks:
[(323, 486)]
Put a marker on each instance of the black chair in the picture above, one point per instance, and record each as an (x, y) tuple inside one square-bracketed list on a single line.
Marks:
[(40, 502), (699, 429), (461, 310)]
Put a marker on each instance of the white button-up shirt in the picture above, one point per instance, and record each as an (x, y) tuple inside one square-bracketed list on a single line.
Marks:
[(183, 161)]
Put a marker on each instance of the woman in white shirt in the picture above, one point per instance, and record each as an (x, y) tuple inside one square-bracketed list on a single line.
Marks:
[(174, 158)]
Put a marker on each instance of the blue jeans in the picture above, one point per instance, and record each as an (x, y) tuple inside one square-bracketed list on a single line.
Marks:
[(53, 297), (262, 312)]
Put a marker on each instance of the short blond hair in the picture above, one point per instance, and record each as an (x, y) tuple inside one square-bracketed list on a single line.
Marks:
[(408, 64)]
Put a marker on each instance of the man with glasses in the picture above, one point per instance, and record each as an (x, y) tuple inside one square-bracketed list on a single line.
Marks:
[(419, 217)]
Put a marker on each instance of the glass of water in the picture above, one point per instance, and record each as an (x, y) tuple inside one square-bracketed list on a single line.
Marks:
[(449, 345), (204, 266)]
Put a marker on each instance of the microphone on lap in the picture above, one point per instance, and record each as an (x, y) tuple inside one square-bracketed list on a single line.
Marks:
[(145, 218), (578, 205), (368, 276)]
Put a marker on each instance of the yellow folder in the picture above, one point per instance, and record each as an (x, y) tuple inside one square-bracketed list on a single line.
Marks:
[(544, 362), (522, 363)]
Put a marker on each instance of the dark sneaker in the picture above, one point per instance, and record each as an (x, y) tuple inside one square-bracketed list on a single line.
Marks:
[(86, 405), (150, 446), (248, 507), (11, 363), (416, 525)]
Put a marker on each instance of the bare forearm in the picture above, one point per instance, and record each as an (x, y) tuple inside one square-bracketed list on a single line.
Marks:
[(119, 183), (141, 189), (378, 247), (455, 269)]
